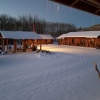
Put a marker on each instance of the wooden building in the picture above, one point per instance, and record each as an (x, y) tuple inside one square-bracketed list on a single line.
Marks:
[(15, 36), (47, 39), (83, 38)]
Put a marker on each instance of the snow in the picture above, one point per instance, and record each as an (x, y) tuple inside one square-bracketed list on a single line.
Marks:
[(20, 35), (46, 36), (67, 73), (88, 34)]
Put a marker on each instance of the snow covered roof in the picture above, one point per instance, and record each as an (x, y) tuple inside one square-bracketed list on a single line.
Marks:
[(46, 36), (88, 34), (20, 35)]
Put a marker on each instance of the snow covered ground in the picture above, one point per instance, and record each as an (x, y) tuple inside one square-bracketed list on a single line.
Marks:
[(66, 74)]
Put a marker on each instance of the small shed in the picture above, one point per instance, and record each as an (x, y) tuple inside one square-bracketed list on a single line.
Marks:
[(82, 38), (47, 38), (5, 36)]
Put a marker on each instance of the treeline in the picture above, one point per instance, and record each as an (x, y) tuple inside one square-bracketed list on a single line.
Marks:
[(25, 23)]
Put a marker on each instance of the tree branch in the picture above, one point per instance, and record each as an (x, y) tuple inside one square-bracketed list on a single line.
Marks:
[(96, 68)]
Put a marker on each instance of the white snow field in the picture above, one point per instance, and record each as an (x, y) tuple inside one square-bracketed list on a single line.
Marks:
[(67, 73)]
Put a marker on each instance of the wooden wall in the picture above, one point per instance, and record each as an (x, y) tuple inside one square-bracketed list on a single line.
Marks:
[(80, 41), (47, 41)]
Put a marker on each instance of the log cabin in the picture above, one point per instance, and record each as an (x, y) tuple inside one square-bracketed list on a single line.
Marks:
[(25, 37), (82, 38), (47, 39)]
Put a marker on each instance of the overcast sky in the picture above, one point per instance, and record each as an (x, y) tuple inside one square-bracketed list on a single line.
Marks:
[(49, 11)]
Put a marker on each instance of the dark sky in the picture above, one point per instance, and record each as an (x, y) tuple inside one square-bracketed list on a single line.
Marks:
[(49, 11)]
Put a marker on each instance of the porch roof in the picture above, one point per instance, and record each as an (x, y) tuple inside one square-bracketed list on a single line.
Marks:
[(19, 35), (91, 6), (87, 34)]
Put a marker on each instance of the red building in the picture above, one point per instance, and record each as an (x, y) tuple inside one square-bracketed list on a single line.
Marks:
[(47, 39), (83, 38), (27, 40)]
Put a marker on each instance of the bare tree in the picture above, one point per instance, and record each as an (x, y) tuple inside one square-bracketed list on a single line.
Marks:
[(25, 23)]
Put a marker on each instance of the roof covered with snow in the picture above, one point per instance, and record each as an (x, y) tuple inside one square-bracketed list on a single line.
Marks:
[(46, 36), (19, 35), (87, 34)]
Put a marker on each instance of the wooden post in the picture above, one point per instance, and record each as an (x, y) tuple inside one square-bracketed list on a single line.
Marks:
[(3, 44), (85, 42), (15, 45), (62, 41), (23, 43), (40, 45), (95, 42), (7, 43), (33, 45), (36, 41)]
